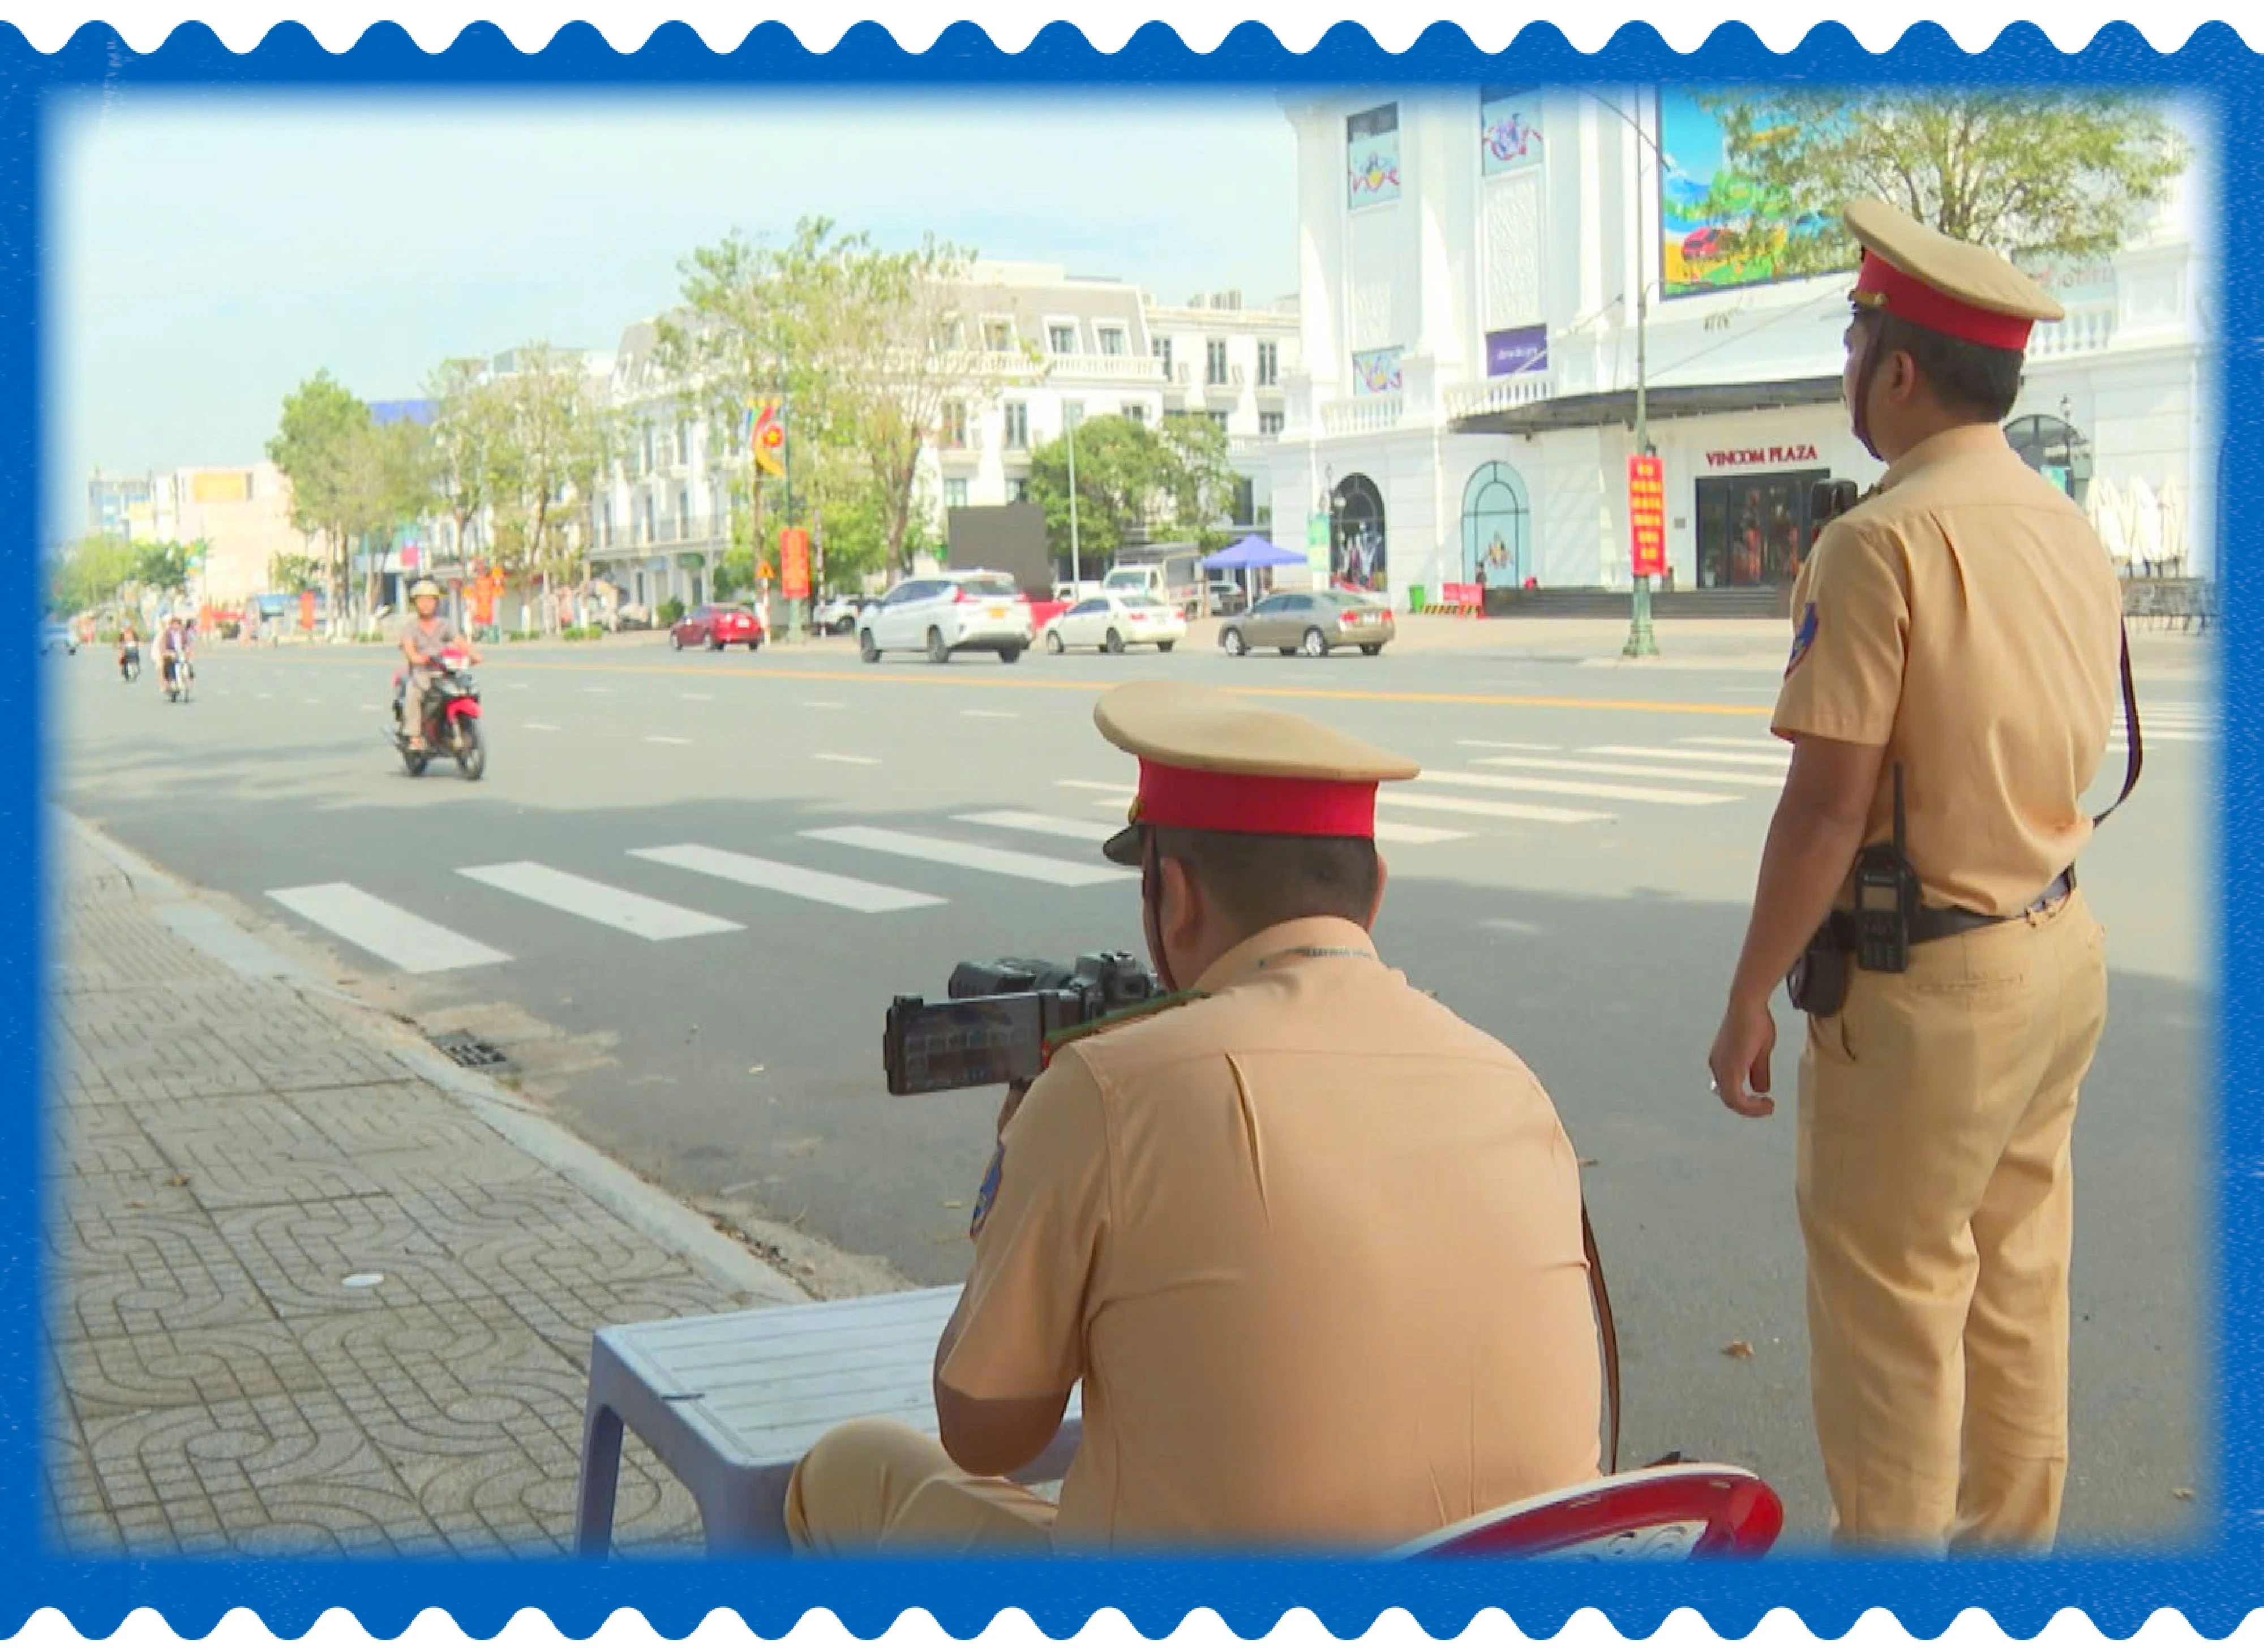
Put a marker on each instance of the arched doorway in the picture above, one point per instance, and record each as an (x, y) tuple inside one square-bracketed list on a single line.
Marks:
[(1356, 546), (2055, 450), (1496, 523)]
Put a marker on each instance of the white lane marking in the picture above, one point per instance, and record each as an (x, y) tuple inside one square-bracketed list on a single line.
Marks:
[(365, 705), (401, 938), (592, 690), (1015, 820), (1007, 716), (781, 878), (1777, 746), (311, 700), (824, 705), (696, 697), (544, 728), (1508, 745), (1115, 786), (843, 756), (1781, 761), (1498, 811), (666, 740), (1637, 771), (514, 685), (1576, 788), (1008, 863), (599, 902), (263, 696)]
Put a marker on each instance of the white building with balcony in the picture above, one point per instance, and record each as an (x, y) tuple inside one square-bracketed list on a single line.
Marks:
[(1470, 266), (1048, 349)]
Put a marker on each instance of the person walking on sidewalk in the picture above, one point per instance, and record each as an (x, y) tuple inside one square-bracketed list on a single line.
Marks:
[(1949, 696), (1313, 1246)]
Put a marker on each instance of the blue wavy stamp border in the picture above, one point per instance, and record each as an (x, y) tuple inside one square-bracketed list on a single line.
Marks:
[(2215, 1582)]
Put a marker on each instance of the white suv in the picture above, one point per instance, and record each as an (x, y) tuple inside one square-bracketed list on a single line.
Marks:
[(952, 613)]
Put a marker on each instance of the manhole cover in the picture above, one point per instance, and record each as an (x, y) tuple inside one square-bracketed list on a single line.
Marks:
[(475, 1053)]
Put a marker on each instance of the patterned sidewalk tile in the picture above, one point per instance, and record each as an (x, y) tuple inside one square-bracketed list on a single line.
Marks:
[(224, 1158)]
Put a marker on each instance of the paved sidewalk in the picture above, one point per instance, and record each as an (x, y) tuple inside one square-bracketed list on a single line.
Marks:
[(312, 1289)]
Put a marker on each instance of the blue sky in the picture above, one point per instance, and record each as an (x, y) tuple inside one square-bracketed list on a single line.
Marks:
[(208, 253)]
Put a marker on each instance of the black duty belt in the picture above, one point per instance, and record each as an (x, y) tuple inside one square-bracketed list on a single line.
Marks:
[(1939, 923)]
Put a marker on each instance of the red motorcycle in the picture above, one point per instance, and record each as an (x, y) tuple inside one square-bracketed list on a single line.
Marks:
[(450, 718)]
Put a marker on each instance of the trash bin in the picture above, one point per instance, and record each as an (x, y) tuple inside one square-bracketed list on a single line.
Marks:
[(1414, 599)]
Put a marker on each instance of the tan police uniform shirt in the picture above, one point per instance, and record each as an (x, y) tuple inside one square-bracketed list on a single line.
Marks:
[(1966, 618), (1312, 1244)]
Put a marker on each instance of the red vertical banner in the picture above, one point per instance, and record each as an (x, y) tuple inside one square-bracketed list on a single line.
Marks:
[(1647, 514), (793, 564), (306, 610)]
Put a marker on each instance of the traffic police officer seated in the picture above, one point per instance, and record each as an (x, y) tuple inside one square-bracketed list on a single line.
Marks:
[(1312, 1244), (1960, 627)]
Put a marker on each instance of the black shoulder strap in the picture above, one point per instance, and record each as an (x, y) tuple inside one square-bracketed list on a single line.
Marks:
[(2135, 746), (1608, 1329)]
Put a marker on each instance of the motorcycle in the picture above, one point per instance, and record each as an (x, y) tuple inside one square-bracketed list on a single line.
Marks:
[(129, 663), (178, 675), (450, 717)]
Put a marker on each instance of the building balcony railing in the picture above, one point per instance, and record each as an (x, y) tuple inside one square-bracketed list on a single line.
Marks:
[(1356, 414), (668, 533), (1498, 396), (1249, 446), (2086, 330), (1127, 369)]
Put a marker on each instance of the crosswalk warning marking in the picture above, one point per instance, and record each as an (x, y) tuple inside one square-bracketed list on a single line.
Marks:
[(599, 902), (828, 888), (1010, 863), (410, 943)]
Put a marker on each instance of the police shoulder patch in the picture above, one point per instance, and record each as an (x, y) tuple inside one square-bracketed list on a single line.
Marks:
[(989, 1192), (1802, 639)]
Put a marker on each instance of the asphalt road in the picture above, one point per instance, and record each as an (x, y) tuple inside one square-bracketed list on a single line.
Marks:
[(685, 891)]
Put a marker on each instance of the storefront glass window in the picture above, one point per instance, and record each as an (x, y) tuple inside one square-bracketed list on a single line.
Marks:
[(1754, 529)]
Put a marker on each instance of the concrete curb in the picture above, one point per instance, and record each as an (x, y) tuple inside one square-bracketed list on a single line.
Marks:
[(657, 1214)]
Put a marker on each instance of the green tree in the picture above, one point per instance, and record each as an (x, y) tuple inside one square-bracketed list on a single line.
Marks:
[(313, 446), (163, 568), (1135, 483), (549, 451), (388, 484), (90, 574), (294, 571), (464, 432), (2040, 174)]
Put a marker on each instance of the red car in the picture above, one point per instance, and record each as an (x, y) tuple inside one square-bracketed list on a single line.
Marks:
[(717, 627)]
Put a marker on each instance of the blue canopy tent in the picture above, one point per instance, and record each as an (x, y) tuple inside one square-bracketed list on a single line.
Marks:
[(1252, 553)]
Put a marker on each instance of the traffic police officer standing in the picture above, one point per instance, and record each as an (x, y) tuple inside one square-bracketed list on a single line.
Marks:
[(1312, 1244), (1955, 643)]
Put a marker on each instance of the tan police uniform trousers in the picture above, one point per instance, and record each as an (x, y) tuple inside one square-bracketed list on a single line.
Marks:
[(875, 1486), (1936, 1198)]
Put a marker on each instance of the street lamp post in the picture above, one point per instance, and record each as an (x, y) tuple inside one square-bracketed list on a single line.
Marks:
[(1075, 561), (1642, 641)]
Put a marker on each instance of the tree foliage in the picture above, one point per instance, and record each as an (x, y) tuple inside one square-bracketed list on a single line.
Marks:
[(314, 445), (864, 349), (2038, 175), (549, 441), (90, 574), (1133, 483)]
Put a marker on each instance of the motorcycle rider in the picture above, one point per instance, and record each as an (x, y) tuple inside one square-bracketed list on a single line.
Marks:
[(129, 651), (172, 650), (423, 640)]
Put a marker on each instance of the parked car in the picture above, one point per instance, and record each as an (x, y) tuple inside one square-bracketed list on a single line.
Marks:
[(1113, 623), (57, 636), (1311, 623), (967, 610), (1227, 597), (717, 626), (837, 616)]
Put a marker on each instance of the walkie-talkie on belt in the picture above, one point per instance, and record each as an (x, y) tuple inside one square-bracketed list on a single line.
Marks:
[(1886, 899)]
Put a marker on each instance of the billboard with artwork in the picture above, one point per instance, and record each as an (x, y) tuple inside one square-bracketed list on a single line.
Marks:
[(1718, 228)]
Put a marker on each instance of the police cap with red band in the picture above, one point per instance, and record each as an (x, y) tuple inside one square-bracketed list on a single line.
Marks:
[(1212, 762), (1951, 286)]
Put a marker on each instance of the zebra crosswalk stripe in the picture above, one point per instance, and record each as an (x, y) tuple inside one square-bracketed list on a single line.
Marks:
[(828, 888), (1008, 863), (1637, 770), (599, 902), (410, 943), (1576, 788)]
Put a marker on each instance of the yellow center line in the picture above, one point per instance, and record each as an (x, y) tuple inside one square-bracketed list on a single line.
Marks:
[(1079, 686)]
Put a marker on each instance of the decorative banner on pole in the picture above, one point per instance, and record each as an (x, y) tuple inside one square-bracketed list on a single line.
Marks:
[(1647, 513), (306, 610), (793, 564), (766, 437)]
